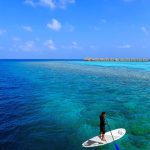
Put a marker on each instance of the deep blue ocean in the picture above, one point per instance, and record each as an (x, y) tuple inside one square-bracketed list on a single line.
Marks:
[(55, 105)]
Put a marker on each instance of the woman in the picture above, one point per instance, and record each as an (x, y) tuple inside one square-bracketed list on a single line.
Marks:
[(102, 126)]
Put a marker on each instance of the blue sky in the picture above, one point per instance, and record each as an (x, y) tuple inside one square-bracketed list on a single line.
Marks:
[(74, 28)]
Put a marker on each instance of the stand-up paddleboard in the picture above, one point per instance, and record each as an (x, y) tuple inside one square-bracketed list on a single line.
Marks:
[(96, 141)]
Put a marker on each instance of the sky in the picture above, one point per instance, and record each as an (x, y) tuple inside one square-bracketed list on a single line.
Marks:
[(74, 29)]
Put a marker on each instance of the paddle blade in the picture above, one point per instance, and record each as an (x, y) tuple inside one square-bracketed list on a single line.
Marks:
[(117, 147)]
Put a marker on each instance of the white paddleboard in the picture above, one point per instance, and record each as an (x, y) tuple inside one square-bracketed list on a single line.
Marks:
[(96, 141)]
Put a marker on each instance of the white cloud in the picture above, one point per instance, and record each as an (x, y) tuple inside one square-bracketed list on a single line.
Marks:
[(52, 4), (92, 47), (75, 45), (45, 3), (27, 28), (2, 31), (31, 3), (125, 46), (16, 39), (27, 46), (19, 44), (54, 25), (64, 3), (35, 45), (48, 3), (50, 45), (69, 28), (145, 30)]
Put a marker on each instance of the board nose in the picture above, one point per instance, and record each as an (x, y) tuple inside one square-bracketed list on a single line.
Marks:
[(121, 131)]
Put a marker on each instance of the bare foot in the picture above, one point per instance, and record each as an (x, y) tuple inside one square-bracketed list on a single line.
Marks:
[(103, 139)]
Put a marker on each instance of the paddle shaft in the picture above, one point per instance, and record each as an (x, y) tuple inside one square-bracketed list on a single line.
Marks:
[(116, 146), (110, 131)]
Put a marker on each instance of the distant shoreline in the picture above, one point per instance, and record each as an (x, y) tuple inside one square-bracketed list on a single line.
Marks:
[(85, 59), (118, 59)]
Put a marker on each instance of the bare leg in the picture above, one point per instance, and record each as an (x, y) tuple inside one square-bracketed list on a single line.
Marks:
[(103, 137)]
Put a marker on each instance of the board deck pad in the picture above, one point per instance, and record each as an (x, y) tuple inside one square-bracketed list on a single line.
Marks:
[(96, 141)]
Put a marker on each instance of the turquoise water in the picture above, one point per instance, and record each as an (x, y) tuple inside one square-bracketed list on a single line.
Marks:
[(55, 105)]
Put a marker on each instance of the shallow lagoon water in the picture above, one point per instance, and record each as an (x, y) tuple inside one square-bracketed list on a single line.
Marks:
[(55, 105)]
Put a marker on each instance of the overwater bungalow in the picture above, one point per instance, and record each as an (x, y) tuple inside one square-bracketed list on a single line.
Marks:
[(118, 59)]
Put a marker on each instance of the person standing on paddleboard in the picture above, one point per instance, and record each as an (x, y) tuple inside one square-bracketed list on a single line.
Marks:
[(102, 126)]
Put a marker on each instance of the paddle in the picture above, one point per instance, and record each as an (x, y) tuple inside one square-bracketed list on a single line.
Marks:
[(116, 146)]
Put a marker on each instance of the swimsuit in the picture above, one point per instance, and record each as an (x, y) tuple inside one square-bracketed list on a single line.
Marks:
[(102, 125)]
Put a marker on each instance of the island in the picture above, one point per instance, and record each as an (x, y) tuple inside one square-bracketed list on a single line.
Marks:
[(118, 59)]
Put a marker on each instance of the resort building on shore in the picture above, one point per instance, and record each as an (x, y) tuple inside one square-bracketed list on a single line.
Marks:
[(118, 59)]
